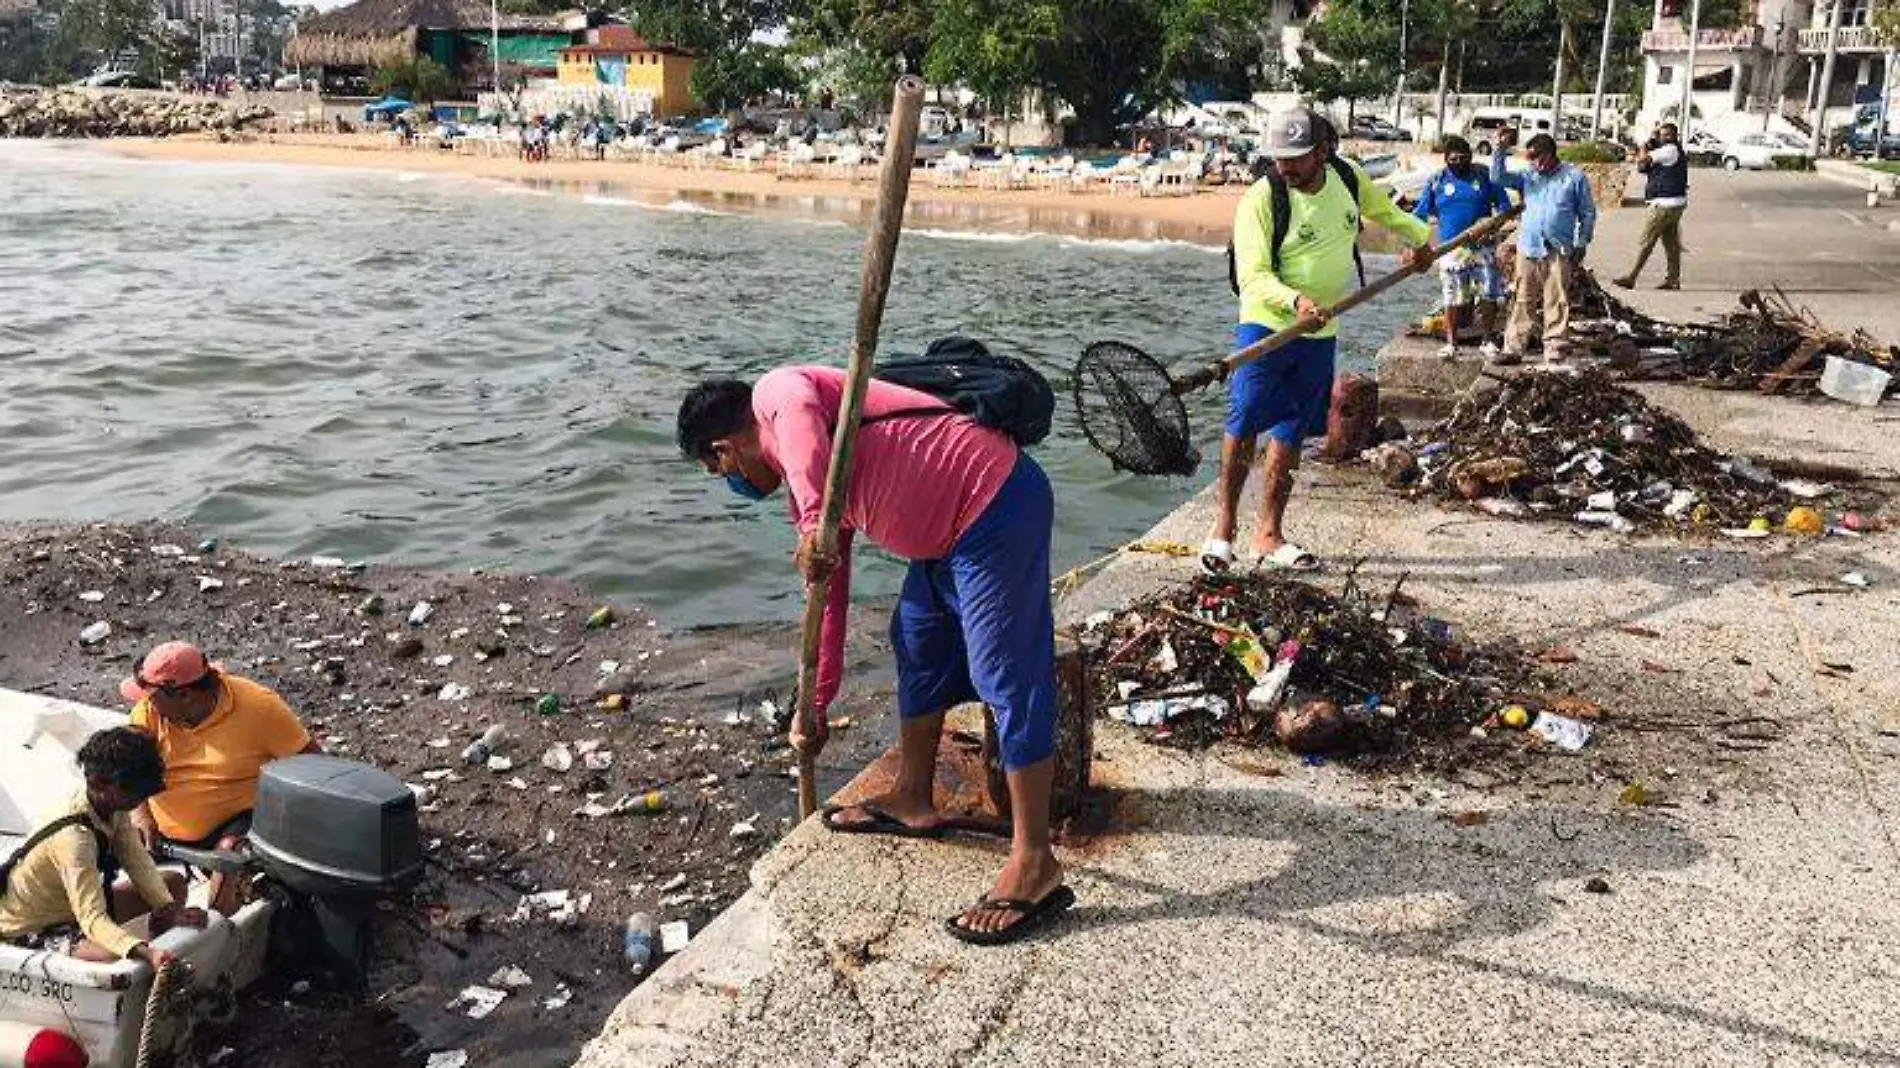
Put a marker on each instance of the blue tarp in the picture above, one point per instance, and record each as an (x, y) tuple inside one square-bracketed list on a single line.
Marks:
[(387, 107)]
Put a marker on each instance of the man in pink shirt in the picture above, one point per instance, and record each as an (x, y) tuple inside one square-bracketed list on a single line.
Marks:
[(973, 514)]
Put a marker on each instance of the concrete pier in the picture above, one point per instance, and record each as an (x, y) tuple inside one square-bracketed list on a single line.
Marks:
[(1246, 908)]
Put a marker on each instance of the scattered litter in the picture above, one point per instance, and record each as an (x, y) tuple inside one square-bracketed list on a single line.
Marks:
[(600, 619), (168, 550), (437, 774), (608, 667), (510, 977), (1635, 794), (558, 758), (1856, 580), (500, 764), (597, 760), (747, 828), (452, 691), (559, 999), (482, 748), (675, 883), (1361, 673), (674, 936), (330, 563), (1559, 446), (548, 704), (443, 661), (478, 1001), (1563, 732), (454, 1058), (94, 633), (206, 584), (636, 941), (92, 596), (420, 613)]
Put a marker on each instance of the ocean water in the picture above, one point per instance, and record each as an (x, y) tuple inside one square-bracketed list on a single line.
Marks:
[(453, 372)]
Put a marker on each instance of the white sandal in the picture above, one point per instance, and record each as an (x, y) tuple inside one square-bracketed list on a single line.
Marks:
[(1290, 557)]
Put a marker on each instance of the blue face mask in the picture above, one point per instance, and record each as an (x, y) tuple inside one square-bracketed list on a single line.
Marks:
[(739, 484)]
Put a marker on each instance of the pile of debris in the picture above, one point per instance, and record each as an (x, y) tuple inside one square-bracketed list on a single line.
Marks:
[(1580, 447), (99, 113), (1362, 675)]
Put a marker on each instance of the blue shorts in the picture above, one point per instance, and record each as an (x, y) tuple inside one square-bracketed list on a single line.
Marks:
[(979, 624), (1285, 394)]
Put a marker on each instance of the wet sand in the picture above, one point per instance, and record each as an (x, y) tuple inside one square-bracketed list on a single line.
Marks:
[(1204, 217)]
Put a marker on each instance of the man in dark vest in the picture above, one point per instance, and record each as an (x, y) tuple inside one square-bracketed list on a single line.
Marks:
[(1666, 187)]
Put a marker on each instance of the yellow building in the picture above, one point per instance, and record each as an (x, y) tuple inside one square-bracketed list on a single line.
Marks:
[(615, 55)]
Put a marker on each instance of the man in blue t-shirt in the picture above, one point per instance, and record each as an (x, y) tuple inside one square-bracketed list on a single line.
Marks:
[(1460, 197)]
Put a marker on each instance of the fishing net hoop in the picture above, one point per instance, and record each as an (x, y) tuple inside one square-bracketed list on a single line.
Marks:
[(1129, 410)]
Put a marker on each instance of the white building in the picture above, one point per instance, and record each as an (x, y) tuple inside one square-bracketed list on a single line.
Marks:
[(1769, 65)]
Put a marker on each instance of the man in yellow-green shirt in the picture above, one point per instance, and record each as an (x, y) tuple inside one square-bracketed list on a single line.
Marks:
[(1285, 394)]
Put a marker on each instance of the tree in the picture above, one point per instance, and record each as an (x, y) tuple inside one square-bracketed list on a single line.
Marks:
[(23, 45), (1108, 64), (1356, 44), (993, 46), (418, 79), (898, 30), (729, 78), (92, 32)]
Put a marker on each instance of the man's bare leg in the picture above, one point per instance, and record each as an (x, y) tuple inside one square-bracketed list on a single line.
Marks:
[(1451, 325), (1032, 871), (912, 798), (1276, 488), (1236, 461)]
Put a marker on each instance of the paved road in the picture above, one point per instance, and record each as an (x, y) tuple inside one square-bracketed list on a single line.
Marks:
[(1815, 239)]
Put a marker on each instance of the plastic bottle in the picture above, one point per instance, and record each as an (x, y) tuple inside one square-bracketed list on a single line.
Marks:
[(482, 748), (638, 941)]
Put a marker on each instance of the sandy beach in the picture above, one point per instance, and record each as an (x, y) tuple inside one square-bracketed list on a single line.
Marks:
[(1204, 217)]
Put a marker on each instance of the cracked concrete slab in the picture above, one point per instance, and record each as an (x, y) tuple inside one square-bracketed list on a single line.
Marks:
[(1318, 916)]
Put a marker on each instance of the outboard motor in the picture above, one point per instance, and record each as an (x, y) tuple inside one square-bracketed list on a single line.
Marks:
[(335, 836)]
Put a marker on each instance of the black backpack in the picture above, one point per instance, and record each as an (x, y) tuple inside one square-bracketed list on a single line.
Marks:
[(1283, 217), (999, 392)]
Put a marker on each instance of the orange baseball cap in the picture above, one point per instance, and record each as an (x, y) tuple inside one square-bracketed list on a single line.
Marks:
[(170, 664)]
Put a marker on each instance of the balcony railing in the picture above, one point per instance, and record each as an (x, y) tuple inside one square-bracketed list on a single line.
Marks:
[(1705, 40), (1852, 39)]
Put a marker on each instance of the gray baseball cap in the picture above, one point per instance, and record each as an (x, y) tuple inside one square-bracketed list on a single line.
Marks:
[(1290, 133)]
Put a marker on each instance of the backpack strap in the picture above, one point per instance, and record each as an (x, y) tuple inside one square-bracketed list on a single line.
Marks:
[(75, 819), (1350, 178)]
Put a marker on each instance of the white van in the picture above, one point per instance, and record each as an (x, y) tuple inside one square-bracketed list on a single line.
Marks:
[(1483, 126)]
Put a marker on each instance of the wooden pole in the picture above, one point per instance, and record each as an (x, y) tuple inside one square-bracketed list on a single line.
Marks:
[(1220, 369), (880, 252)]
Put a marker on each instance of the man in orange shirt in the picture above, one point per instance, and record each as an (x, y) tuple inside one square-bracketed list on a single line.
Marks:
[(215, 732)]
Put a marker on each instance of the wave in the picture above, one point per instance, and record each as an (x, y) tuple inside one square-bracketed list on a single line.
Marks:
[(1109, 244)]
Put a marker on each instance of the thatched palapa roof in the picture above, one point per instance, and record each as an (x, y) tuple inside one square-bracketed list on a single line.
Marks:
[(371, 32)]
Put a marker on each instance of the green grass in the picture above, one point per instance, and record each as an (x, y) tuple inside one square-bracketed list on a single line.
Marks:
[(1889, 166)]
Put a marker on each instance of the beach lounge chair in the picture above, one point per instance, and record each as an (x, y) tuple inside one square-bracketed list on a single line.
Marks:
[(1126, 175), (796, 160), (753, 157), (849, 158), (952, 171)]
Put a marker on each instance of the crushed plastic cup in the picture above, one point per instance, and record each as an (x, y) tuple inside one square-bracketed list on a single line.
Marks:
[(95, 633), (637, 941), (1569, 735)]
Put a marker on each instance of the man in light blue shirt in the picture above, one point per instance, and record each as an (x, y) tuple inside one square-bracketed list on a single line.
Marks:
[(1559, 220)]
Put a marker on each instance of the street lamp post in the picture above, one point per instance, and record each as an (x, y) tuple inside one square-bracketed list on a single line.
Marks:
[(1603, 70), (1687, 110), (1771, 94), (1817, 139), (1398, 95)]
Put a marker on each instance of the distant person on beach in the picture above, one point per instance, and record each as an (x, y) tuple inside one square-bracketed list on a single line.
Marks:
[(1560, 218), (1665, 169), (1460, 196), (60, 891), (215, 731), (1295, 233), (973, 514)]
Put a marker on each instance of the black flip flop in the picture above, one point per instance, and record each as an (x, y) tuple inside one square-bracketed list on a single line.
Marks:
[(881, 822), (1034, 914)]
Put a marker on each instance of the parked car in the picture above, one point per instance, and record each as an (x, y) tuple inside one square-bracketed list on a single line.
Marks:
[(1858, 139), (119, 79), (291, 83), (1755, 151), (1369, 128)]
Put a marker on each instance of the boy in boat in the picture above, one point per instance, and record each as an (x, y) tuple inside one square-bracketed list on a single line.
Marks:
[(60, 891)]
